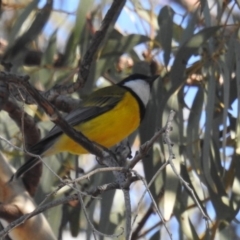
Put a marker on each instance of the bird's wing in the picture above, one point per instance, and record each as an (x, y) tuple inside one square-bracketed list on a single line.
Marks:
[(77, 116), (97, 104)]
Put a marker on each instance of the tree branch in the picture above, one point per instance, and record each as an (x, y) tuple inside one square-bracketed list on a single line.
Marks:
[(98, 38)]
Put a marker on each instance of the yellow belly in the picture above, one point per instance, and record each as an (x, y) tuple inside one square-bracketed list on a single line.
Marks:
[(107, 129)]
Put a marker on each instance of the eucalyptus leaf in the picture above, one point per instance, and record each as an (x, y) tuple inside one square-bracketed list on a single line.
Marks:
[(188, 227), (48, 56), (165, 21), (21, 19), (117, 47), (36, 27), (189, 48), (171, 179), (193, 131), (210, 103), (237, 45)]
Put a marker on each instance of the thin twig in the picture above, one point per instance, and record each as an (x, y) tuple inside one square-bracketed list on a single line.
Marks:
[(94, 231), (169, 143), (144, 233), (56, 116), (98, 170), (164, 131), (55, 203), (144, 148), (147, 190), (12, 145), (99, 36)]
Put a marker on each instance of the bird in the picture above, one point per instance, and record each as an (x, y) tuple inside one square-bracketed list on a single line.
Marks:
[(106, 116)]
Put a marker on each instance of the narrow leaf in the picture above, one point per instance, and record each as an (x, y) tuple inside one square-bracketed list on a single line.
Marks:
[(165, 21), (116, 47), (211, 89), (193, 130), (21, 19), (185, 52), (48, 57), (237, 139), (171, 179), (36, 27)]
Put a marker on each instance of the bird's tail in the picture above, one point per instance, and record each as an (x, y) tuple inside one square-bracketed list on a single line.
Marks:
[(32, 162), (38, 149)]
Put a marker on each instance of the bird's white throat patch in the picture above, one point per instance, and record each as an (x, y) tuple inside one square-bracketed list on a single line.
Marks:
[(141, 88)]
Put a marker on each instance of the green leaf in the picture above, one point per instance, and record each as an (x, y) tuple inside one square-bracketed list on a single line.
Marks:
[(171, 179), (187, 227), (165, 21), (82, 11), (226, 70), (155, 236), (36, 27), (203, 2), (238, 3), (216, 170), (211, 89), (189, 48), (21, 19), (117, 47), (222, 206), (199, 38), (191, 26), (48, 56), (148, 15), (69, 54), (193, 131), (146, 131), (194, 183), (207, 14), (115, 34), (74, 219), (76, 34), (237, 138), (104, 224), (54, 216), (177, 32)]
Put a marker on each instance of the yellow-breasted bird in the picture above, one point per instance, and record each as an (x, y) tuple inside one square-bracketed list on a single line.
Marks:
[(106, 116)]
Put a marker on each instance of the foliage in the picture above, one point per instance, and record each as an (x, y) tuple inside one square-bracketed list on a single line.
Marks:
[(197, 53)]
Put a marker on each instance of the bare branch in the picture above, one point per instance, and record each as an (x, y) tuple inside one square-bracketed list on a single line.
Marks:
[(55, 95), (53, 113), (31, 131), (166, 129), (169, 143), (99, 36), (147, 190), (145, 147), (41, 208)]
